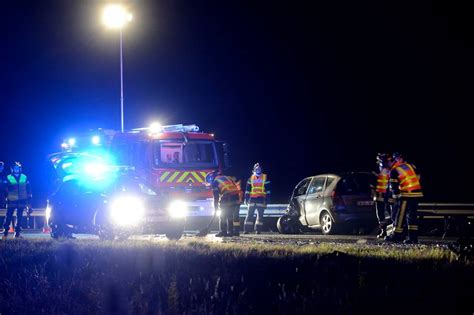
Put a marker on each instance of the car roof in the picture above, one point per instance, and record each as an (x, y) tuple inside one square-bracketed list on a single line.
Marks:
[(343, 174)]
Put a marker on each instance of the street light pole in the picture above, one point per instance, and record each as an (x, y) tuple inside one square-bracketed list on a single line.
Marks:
[(121, 81), (116, 16)]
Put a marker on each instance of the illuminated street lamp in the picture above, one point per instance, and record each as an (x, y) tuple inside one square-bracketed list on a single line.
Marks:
[(116, 16)]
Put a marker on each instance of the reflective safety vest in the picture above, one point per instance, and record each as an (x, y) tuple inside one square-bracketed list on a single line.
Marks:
[(258, 186), (382, 182), (408, 181), (17, 189), (227, 186)]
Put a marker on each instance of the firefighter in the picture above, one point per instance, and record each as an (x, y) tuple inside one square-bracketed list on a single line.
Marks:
[(381, 193), (257, 196), (227, 197), (2, 185), (18, 197), (406, 189)]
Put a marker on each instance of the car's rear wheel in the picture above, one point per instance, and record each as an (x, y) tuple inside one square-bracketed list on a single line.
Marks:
[(327, 223), (288, 225)]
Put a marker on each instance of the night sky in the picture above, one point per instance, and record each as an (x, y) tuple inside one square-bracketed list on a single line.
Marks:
[(303, 89)]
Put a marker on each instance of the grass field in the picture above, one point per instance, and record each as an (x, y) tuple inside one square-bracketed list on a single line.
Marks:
[(202, 277)]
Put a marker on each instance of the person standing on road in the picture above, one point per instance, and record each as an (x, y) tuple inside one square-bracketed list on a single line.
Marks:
[(257, 196), (381, 194), (227, 198), (406, 189), (2, 185), (18, 197)]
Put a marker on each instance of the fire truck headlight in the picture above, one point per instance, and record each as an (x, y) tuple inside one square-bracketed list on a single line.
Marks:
[(127, 211), (178, 209)]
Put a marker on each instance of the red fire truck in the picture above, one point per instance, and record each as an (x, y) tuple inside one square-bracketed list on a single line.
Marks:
[(174, 159)]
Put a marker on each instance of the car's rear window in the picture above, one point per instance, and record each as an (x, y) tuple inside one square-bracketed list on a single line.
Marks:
[(355, 184)]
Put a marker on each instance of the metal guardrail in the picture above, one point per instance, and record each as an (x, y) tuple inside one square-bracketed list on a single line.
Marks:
[(432, 210)]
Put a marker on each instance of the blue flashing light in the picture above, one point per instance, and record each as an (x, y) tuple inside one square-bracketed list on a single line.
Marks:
[(72, 141), (95, 140), (96, 169)]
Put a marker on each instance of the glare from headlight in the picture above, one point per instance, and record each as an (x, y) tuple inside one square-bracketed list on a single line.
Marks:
[(178, 209), (126, 210), (217, 213), (48, 213)]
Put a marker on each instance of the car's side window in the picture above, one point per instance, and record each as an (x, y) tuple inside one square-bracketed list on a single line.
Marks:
[(329, 181), (302, 187), (317, 185)]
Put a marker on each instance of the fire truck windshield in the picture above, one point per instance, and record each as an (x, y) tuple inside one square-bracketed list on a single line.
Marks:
[(200, 154)]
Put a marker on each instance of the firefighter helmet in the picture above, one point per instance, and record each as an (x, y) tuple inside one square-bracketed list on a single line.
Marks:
[(257, 169), (211, 176), (397, 156), (16, 168), (383, 159)]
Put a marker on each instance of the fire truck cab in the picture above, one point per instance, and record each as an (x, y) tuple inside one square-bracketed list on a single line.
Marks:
[(173, 159)]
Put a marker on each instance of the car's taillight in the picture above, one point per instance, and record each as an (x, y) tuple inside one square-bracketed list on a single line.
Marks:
[(336, 199)]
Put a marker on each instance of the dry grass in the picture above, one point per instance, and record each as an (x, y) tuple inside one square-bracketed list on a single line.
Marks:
[(202, 277)]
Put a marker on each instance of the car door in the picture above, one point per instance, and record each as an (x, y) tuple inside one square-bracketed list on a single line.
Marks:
[(299, 196), (314, 199)]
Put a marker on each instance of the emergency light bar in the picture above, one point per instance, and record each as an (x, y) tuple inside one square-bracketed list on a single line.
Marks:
[(156, 128)]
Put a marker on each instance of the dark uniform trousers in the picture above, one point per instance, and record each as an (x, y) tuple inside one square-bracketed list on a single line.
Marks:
[(406, 207), (229, 219), (20, 207), (249, 219), (382, 207)]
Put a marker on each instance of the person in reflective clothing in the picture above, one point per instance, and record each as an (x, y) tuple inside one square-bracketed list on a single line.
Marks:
[(382, 194), (257, 196), (3, 186), (18, 198), (227, 198), (406, 190)]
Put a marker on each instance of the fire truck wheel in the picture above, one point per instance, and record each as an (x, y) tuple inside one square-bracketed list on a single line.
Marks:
[(288, 225), (175, 231), (174, 235)]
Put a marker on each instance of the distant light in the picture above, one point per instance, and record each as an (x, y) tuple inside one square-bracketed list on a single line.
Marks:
[(155, 127), (72, 141), (64, 145), (95, 140), (116, 16)]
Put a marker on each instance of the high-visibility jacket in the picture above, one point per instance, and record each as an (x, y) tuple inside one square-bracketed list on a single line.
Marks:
[(404, 181), (226, 191), (382, 181), (258, 190), (18, 188), (382, 185)]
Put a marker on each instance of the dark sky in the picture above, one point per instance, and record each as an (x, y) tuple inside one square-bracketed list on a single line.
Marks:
[(304, 89)]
